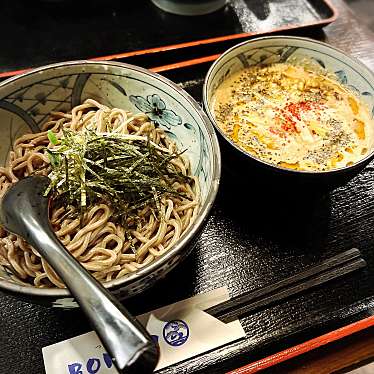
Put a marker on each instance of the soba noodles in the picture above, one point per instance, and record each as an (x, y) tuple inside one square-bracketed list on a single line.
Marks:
[(105, 245)]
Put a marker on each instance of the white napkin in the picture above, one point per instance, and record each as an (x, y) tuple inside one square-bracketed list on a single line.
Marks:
[(182, 330)]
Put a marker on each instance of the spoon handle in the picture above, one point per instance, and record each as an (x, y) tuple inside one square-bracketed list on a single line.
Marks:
[(123, 336)]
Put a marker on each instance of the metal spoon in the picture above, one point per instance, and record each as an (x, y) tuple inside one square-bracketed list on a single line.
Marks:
[(24, 211)]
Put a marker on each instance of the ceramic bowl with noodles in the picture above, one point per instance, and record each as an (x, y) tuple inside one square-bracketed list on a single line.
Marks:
[(134, 166), (293, 107)]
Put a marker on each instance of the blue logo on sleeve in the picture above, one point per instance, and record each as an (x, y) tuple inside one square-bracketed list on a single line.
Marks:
[(176, 332)]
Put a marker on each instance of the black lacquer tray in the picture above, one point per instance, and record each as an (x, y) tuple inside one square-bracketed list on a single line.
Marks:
[(258, 233), (46, 31)]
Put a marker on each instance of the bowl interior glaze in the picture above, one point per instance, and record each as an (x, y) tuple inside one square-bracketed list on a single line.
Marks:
[(27, 100)]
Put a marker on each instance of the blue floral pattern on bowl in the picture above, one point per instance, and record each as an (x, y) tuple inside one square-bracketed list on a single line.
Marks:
[(156, 110)]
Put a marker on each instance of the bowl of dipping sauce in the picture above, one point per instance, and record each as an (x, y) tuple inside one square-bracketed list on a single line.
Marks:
[(293, 105)]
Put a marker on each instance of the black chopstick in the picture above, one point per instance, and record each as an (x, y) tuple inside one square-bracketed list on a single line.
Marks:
[(330, 263), (252, 301)]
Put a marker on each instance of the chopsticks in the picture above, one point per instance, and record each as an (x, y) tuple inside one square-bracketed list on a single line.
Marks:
[(251, 302)]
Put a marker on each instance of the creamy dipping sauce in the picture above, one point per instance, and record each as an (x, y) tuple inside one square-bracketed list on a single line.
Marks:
[(293, 117)]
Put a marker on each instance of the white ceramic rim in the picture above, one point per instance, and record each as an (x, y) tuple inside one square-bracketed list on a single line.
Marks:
[(189, 8), (186, 236), (245, 153)]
